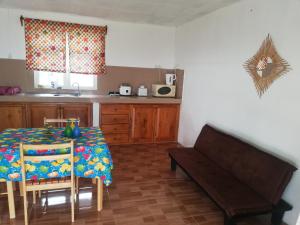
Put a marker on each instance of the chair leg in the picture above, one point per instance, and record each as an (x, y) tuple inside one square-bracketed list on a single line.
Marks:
[(72, 202), (21, 188), (25, 207), (99, 194), (14, 186), (77, 185), (34, 197)]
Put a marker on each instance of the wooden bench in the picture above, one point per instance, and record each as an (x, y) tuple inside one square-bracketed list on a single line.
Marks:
[(242, 180)]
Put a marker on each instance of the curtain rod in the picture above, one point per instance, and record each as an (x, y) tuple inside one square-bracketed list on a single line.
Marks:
[(22, 20)]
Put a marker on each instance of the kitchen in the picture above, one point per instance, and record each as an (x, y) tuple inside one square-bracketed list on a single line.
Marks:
[(135, 113), (40, 103)]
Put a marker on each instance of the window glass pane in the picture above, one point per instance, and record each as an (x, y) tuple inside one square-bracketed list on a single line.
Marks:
[(45, 79), (82, 79)]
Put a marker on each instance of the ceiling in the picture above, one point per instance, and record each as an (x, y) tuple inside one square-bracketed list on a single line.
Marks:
[(160, 12)]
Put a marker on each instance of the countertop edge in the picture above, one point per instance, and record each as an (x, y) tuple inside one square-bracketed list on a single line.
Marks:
[(91, 99)]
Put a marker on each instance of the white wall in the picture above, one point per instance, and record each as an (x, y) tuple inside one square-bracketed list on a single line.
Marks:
[(128, 44), (217, 89)]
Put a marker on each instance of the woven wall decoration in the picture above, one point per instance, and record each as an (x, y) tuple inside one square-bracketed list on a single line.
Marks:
[(266, 66)]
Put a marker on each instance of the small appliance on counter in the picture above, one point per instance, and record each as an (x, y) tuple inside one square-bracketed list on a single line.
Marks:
[(163, 90), (125, 89), (142, 91), (170, 78), (114, 93)]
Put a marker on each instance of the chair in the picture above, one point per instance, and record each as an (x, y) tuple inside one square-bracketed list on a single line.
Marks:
[(46, 184), (59, 122)]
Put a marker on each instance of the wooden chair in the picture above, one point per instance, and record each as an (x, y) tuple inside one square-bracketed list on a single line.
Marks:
[(29, 185), (59, 122)]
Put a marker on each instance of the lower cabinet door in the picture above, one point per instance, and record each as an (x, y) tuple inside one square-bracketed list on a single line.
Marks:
[(81, 111), (12, 116), (142, 124), (166, 129), (38, 111)]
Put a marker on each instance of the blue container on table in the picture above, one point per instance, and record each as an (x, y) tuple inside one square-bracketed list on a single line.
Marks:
[(76, 130)]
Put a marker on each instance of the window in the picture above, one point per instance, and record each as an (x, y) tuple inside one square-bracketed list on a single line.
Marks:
[(61, 54), (44, 79)]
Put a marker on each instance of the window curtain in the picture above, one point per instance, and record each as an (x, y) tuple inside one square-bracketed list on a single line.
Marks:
[(87, 49), (45, 45)]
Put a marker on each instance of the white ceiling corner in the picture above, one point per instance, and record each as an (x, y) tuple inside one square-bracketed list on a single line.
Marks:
[(160, 12)]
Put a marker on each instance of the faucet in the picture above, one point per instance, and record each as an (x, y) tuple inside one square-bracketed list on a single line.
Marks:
[(52, 84), (58, 89), (78, 90)]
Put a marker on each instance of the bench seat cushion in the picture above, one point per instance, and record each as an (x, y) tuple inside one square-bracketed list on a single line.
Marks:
[(234, 197)]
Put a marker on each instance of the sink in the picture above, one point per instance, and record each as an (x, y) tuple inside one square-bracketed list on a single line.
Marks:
[(53, 95)]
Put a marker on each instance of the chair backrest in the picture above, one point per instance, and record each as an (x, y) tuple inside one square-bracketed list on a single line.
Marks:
[(59, 122), (53, 158)]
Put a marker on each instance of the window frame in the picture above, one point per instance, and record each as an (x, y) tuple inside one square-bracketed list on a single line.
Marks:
[(66, 82)]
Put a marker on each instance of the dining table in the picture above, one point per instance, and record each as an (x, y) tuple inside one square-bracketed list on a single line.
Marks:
[(92, 158)]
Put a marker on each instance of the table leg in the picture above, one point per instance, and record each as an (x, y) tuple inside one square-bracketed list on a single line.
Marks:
[(99, 194), (21, 188), (11, 200)]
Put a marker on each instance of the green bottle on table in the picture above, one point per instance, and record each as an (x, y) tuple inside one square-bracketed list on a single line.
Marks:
[(68, 130)]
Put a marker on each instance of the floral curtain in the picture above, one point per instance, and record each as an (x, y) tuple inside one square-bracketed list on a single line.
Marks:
[(87, 49), (45, 45)]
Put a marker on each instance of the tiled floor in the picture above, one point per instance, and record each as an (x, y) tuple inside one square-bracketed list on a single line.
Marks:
[(144, 192)]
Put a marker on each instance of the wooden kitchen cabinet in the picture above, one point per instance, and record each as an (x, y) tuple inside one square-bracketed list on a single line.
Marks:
[(38, 111), (76, 110), (12, 115), (167, 118), (143, 122), (115, 122), (139, 123)]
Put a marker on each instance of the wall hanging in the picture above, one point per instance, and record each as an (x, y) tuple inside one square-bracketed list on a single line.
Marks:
[(266, 66)]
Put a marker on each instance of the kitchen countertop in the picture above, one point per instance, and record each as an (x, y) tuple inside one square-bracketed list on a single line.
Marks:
[(23, 97)]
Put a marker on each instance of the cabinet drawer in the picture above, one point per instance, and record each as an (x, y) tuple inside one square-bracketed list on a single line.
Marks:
[(116, 138), (114, 119), (115, 109), (115, 128)]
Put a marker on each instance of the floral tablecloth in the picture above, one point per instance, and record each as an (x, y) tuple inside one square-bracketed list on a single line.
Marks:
[(92, 158)]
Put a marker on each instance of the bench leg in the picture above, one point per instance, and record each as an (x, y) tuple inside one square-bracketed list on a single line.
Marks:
[(173, 164), (278, 212), (277, 218), (228, 220)]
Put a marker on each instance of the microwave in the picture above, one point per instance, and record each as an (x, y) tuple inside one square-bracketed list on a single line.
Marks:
[(163, 90)]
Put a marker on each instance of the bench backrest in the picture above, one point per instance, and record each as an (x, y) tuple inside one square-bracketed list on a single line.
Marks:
[(263, 172)]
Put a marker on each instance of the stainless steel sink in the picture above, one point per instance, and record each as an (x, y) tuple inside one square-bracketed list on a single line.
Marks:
[(54, 95)]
